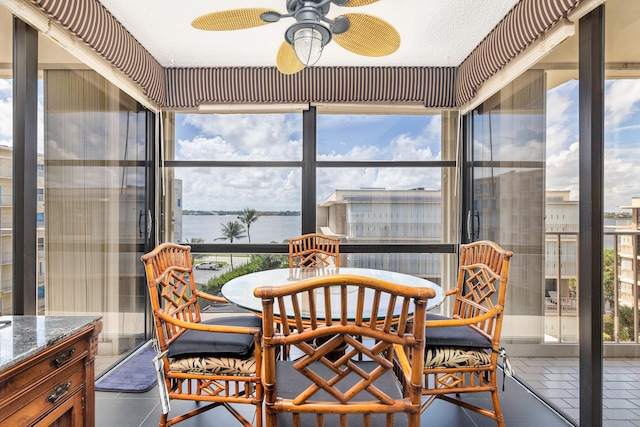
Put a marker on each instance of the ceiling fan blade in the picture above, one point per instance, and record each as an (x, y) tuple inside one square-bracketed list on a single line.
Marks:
[(236, 19), (287, 61), (357, 3), (368, 35)]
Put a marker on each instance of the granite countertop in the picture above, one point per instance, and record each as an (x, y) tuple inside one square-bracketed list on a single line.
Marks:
[(25, 336)]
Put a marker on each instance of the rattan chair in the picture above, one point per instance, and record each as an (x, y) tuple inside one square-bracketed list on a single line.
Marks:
[(462, 351), (320, 387), (314, 251), (216, 361)]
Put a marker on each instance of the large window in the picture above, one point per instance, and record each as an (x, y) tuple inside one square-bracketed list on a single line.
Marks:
[(90, 204), (379, 180), (524, 186), (622, 164), (226, 163), (94, 204), (526, 194)]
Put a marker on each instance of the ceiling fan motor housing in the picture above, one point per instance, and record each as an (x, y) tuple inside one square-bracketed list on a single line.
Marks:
[(293, 6), (308, 14)]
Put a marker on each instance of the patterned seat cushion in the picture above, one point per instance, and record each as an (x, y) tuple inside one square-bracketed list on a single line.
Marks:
[(454, 357), (215, 365)]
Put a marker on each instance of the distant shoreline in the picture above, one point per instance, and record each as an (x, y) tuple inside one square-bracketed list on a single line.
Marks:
[(239, 213), (621, 215)]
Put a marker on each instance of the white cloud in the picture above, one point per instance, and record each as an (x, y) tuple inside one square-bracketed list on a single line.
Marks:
[(562, 119), (620, 181), (6, 118), (6, 85), (621, 101), (526, 150), (238, 137), (328, 121), (404, 147), (235, 188), (424, 146), (562, 171), (560, 105), (357, 152), (620, 176), (621, 166), (255, 137)]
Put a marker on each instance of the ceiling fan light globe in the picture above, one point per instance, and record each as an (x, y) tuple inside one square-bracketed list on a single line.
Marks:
[(308, 44)]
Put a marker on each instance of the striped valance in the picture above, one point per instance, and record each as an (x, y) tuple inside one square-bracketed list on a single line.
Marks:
[(186, 88), (525, 23), (91, 22), (429, 86)]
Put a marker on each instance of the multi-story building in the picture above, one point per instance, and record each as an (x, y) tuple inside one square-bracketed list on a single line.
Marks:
[(6, 231), (370, 216), (362, 216), (627, 249)]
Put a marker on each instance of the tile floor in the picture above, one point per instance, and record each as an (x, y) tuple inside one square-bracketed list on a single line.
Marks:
[(554, 378), (557, 380), (521, 409)]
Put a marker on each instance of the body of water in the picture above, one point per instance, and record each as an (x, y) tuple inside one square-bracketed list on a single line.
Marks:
[(266, 229)]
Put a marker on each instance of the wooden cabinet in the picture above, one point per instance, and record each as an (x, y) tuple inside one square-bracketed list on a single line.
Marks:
[(54, 384)]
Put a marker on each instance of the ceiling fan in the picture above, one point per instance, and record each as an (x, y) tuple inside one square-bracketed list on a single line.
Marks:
[(304, 40)]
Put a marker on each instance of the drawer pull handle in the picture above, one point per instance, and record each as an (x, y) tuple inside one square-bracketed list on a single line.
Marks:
[(63, 357), (59, 392)]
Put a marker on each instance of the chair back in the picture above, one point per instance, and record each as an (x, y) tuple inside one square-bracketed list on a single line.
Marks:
[(314, 251), (482, 286), (171, 289), (314, 321)]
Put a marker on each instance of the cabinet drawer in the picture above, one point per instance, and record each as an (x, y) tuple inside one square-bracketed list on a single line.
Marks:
[(46, 364), (69, 413), (37, 401)]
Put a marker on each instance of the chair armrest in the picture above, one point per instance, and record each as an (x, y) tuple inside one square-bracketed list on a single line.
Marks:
[(207, 328), (209, 296), (464, 321), (450, 292)]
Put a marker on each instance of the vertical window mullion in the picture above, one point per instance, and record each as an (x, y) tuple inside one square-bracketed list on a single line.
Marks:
[(25, 171), (309, 158), (590, 253)]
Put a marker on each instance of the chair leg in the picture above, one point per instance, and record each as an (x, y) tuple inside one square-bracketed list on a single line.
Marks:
[(496, 408), (258, 415), (271, 419), (413, 420)]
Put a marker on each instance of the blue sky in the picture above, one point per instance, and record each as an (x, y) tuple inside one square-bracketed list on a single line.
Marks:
[(622, 141), (376, 137), (6, 120), (340, 137)]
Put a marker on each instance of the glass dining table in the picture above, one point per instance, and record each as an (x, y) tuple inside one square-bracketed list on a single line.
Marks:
[(239, 290)]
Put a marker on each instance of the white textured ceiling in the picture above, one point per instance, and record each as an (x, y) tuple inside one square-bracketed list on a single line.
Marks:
[(433, 32)]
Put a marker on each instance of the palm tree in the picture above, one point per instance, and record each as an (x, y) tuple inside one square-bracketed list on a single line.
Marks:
[(231, 231), (248, 217), (195, 240)]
